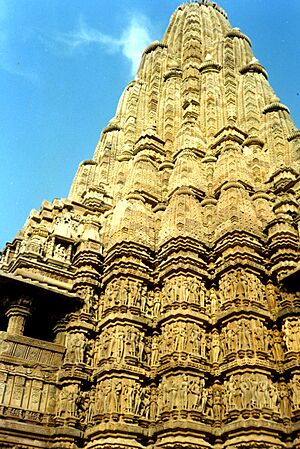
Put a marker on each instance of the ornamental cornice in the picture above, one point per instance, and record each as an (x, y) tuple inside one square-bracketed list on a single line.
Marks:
[(293, 174), (209, 202), (183, 190), (151, 142), (174, 72), (294, 135), (254, 68), (188, 151), (235, 32), (88, 162), (253, 140), (166, 165), (154, 46), (112, 126), (209, 66), (275, 107), (229, 133)]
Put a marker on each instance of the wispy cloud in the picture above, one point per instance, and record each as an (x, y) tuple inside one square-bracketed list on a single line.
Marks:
[(131, 43), (9, 61), (11, 64)]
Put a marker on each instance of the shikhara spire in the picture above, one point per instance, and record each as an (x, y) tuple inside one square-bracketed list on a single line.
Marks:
[(157, 306)]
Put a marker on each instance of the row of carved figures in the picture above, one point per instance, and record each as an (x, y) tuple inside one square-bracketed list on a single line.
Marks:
[(112, 396), (175, 392), (182, 392), (239, 392), (254, 391), (236, 289), (119, 342), (244, 336)]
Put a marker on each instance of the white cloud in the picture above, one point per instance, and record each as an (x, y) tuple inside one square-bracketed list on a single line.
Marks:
[(134, 38)]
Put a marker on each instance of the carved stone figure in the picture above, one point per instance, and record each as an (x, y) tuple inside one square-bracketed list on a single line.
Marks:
[(295, 387), (156, 303), (155, 350), (271, 297), (215, 347), (67, 401), (63, 226), (214, 301), (217, 403), (91, 406), (277, 346), (60, 253), (285, 403)]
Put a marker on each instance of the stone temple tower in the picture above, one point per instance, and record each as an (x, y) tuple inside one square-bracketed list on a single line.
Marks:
[(157, 306)]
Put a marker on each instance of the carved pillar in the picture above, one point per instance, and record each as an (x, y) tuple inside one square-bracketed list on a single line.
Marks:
[(60, 332), (17, 315)]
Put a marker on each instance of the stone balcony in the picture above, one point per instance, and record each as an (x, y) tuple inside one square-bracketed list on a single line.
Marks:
[(20, 349)]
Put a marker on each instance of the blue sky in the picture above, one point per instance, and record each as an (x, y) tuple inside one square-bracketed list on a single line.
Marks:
[(64, 64)]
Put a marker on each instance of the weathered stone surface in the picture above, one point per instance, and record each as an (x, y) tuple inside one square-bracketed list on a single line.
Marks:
[(158, 306)]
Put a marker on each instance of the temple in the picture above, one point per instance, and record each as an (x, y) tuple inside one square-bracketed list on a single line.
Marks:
[(157, 307)]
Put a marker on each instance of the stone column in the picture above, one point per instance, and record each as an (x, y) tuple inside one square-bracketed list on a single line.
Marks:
[(60, 332), (17, 316)]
